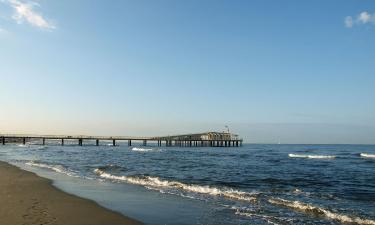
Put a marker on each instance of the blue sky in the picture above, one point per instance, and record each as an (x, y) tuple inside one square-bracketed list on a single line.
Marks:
[(294, 71)]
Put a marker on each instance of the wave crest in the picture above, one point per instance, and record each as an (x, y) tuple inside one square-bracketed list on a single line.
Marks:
[(307, 208), (155, 182), (365, 155), (312, 156), (56, 168), (142, 149)]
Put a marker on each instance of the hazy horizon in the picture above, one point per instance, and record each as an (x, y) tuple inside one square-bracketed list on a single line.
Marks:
[(289, 72)]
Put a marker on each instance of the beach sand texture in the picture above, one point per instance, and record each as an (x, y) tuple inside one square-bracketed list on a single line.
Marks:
[(27, 199)]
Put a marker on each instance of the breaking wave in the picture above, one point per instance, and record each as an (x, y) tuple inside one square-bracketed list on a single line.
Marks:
[(56, 168), (142, 149), (155, 182), (365, 155), (312, 156), (307, 208)]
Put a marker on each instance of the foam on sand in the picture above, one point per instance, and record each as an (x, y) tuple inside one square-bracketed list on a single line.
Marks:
[(312, 156), (365, 155), (311, 209), (156, 182)]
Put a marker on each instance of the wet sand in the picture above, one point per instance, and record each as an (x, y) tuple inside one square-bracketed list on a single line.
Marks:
[(27, 199)]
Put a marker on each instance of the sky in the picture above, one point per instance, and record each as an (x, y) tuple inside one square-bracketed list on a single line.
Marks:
[(273, 71)]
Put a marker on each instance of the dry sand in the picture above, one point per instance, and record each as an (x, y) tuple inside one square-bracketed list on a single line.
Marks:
[(27, 199)]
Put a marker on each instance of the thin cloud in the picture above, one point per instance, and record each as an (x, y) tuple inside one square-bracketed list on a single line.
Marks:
[(24, 11), (349, 21), (3, 31), (362, 18)]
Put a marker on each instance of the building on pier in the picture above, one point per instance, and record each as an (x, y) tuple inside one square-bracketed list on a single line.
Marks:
[(207, 136)]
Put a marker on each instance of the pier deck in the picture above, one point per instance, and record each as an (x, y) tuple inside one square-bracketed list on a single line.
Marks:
[(208, 139)]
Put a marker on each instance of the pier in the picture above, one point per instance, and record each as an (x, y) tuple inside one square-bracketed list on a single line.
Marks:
[(207, 139)]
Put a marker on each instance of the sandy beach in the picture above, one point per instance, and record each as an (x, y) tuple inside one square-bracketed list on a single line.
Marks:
[(28, 199)]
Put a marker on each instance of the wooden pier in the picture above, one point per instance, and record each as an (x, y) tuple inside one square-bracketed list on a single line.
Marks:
[(208, 139)]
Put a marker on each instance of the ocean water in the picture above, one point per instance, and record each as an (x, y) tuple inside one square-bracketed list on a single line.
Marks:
[(253, 184)]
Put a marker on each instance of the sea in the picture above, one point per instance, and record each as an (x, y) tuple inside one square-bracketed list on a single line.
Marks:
[(252, 184)]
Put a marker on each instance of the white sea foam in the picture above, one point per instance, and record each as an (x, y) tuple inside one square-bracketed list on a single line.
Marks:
[(155, 182), (312, 156), (56, 168), (268, 219), (365, 155), (249, 212), (174, 193), (307, 208), (142, 149)]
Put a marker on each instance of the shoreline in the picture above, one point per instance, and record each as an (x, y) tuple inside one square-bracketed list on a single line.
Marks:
[(29, 199)]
